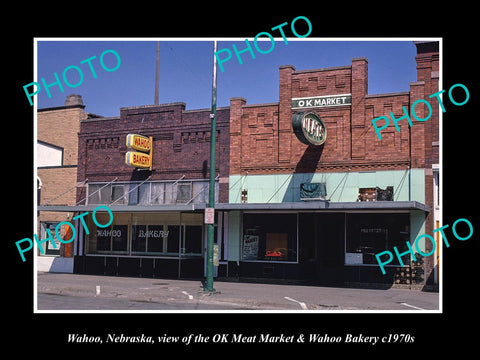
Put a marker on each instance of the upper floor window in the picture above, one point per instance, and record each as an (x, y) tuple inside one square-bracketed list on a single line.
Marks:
[(150, 193)]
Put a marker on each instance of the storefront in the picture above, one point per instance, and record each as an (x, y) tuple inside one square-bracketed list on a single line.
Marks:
[(305, 190), (323, 243), (157, 228), (152, 244), (315, 194)]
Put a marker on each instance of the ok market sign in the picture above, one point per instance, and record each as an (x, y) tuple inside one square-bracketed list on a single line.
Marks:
[(321, 101)]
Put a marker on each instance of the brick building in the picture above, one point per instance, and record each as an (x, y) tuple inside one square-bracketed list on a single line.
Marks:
[(57, 148), (321, 212), (158, 215), (305, 189)]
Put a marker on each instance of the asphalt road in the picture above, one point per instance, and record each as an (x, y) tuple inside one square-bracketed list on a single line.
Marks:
[(72, 292)]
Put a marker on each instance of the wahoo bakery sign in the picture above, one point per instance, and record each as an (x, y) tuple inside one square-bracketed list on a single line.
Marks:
[(322, 101)]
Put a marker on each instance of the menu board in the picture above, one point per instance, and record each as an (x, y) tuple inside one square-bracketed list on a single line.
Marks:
[(250, 247)]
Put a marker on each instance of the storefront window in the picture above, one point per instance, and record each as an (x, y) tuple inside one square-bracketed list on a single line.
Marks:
[(113, 238), (155, 236), (193, 240), (370, 234), (269, 237), (119, 237), (147, 234), (173, 237), (139, 238)]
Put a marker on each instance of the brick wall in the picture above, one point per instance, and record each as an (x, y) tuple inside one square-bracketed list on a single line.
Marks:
[(266, 129), (181, 145), (59, 126), (427, 60), (263, 142)]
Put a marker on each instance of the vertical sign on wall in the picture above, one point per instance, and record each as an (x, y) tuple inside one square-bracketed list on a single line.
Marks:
[(136, 158)]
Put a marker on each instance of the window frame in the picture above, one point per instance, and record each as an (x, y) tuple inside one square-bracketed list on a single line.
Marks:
[(389, 241), (243, 233)]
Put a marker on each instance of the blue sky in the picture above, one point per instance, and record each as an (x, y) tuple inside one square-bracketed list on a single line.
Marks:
[(186, 70)]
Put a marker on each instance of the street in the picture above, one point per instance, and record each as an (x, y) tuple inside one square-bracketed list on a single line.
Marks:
[(56, 291)]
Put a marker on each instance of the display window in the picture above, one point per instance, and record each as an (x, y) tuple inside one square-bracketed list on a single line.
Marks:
[(370, 234), (270, 237), (112, 239), (192, 242), (147, 234)]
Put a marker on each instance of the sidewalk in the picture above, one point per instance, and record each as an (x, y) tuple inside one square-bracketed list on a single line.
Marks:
[(87, 292)]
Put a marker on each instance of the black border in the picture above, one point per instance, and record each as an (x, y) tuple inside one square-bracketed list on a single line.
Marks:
[(433, 333)]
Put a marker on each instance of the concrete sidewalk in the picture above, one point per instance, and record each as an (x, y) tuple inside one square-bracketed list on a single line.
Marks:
[(87, 292)]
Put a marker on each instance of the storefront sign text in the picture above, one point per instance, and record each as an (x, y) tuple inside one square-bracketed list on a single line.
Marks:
[(79, 76), (108, 233), (309, 128), (138, 142), (137, 159), (153, 233), (59, 238), (415, 115), (322, 101), (432, 240), (255, 44)]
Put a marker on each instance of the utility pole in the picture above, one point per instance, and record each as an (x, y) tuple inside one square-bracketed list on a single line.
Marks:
[(211, 192), (156, 75)]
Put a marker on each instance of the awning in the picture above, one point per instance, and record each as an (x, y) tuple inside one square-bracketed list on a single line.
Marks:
[(327, 205), (303, 205)]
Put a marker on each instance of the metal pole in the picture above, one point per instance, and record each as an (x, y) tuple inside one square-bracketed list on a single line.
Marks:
[(155, 100), (211, 192)]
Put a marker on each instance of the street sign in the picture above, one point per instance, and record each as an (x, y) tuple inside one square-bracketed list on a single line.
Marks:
[(215, 255), (138, 159), (209, 215), (139, 142)]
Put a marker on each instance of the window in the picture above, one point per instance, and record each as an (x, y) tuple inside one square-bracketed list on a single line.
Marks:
[(157, 193), (155, 238), (150, 193), (49, 155), (101, 194), (370, 234), (173, 238), (375, 194), (139, 238), (192, 243), (98, 194), (49, 248), (112, 238), (183, 192), (270, 237), (117, 194), (119, 237), (144, 194), (146, 234)]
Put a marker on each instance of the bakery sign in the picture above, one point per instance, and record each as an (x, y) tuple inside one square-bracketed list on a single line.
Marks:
[(322, 101), (143, 157), (309, 128)]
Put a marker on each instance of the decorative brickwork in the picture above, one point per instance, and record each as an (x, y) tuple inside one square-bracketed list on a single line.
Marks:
[(181, 145)]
